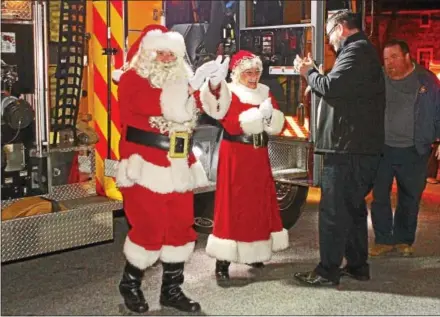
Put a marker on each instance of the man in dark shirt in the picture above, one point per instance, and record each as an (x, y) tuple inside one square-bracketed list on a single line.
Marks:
[(350, 137), (412, 123)]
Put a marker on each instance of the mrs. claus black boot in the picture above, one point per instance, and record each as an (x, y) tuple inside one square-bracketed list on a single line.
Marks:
[(171, 294), (130, 289), (222, 270)]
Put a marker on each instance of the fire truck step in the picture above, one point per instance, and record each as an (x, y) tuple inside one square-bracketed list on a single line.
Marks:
[(87, 220)]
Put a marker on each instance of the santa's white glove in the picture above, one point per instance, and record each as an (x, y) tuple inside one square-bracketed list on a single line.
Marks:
[(221, 72), (203, 72), (266, 108)]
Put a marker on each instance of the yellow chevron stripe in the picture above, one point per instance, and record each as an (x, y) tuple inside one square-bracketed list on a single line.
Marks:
[(99, 169), (111, 190), (99, 166), (101, 8), (100, 113), (117, 27), (101, 120), (97, 51), (98, 61), (107, 183)]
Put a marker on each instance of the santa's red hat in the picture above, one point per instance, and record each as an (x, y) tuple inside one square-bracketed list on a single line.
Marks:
[(243, 60), (154, 37)]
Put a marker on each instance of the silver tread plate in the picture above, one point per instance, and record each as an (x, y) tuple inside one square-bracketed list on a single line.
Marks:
[(84, 224)]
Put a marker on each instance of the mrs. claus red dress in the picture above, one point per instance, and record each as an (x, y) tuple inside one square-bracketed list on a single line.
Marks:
[(247, 223)]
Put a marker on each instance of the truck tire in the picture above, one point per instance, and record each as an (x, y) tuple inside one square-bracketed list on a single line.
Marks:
[(204, 212), (291, 199)]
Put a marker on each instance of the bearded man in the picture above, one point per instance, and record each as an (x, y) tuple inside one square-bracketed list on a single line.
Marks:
[(157, 172)]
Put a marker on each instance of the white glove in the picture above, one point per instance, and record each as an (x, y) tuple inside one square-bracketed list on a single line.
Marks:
[(266, 108), (204, 71), (221, 72)]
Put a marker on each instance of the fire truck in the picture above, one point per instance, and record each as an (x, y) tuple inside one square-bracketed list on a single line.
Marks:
[(60, 116)]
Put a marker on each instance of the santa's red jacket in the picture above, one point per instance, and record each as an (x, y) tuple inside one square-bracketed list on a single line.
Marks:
[(162, 110)]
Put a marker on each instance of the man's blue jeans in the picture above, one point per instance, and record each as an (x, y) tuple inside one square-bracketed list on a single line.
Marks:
[(410, 170)]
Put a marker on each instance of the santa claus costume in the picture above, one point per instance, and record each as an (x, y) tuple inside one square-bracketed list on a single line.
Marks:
[(247, 223), (157, 170)]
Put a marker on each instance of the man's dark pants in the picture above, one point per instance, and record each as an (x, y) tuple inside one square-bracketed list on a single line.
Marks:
[(410, 170), (433, 162), (346, 181)]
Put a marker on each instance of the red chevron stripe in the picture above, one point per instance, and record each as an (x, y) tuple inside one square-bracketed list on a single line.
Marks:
[(99, 28), (100, 31), (101, 147), (101, 92), (119, 57), (119, 7)]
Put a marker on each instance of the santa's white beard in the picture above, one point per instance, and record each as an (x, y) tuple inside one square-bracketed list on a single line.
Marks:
[(159, 73)]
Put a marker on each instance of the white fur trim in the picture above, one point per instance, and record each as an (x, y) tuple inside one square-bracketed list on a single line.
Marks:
[(251, 96), (116, 75), (175, 102), (239, 252), (135, 170), (251, 121), (276, 123), (138, 256), (199, 174), (178, 177), (182, 178), (172, 254), (280, 240), (216, 109), (157, 40), (122, 179)]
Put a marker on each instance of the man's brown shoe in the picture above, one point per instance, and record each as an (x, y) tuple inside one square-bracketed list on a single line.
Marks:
[(405, 249), (380, 249)]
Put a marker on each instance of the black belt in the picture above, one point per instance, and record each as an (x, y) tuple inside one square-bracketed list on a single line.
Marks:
[(257, 140), (181, 141)]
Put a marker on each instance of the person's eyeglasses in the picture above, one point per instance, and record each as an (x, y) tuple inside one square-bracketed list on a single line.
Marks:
[(332, 30)]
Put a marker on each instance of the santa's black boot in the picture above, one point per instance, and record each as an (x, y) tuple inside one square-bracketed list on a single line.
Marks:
[(171, 294), (130, 289), (222, 270)]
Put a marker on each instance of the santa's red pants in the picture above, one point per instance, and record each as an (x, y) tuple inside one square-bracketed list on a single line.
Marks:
[(161, 226)]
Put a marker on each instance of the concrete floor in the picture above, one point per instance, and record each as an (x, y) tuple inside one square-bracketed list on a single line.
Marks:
[(84, 281)]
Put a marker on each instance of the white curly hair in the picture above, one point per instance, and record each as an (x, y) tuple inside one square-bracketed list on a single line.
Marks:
[(245, 64)]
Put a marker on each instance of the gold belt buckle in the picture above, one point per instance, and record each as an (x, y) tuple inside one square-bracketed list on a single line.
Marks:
[(179, 145), (257, 140)]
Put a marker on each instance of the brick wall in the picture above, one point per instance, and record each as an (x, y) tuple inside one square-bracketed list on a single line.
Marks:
[(406, 26)]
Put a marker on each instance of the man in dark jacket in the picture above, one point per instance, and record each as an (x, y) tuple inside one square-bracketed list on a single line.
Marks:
[(412, 124), (350, 137)]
